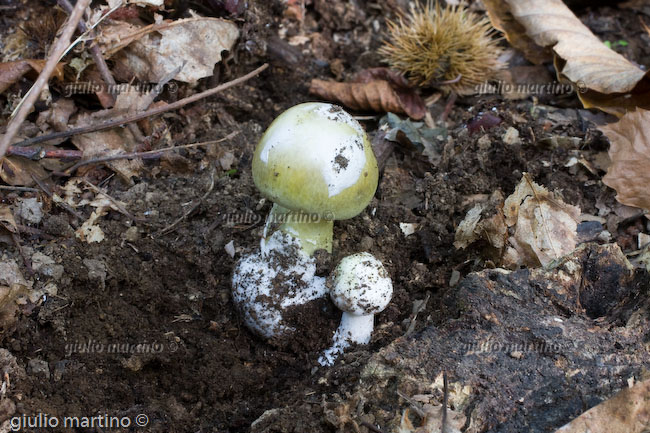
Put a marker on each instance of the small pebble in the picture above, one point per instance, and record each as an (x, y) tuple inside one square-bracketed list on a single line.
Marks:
[(230, 248), (511, 137)]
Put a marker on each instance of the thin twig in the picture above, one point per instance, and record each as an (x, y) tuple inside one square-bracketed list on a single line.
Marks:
[(38, 153), (371, 427), (149, 97), (59, 47), (105, 73), (34, 231), (418, 310), (416, 407), (28, 264), (149, 154), (189, 211), (116, 203), (445, 400), (448, 106), (64, 205), (136, 117), (95, 51), (18, 188)]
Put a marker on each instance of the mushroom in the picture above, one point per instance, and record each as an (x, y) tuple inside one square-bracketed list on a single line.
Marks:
[(265, 284), (361, 288), (316, 164)]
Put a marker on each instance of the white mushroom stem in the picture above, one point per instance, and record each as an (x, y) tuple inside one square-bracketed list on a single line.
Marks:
[(354, 329)]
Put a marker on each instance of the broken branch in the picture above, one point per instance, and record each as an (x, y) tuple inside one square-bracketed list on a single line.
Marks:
[(136, 117), (59, 48)]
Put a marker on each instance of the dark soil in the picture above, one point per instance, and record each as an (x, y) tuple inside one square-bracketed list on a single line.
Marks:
[(203, 370)]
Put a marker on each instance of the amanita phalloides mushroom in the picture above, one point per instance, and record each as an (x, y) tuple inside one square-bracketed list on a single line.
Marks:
[(316, 164), (361, 288)]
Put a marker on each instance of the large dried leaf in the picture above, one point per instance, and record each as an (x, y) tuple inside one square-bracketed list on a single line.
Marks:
[(530, 228), (606, 79), (629, 152), (377, 95), (626, 412), (409, 98), (545, 226), (153, 52)]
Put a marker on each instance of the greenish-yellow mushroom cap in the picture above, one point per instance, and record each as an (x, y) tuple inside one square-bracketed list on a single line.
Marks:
[(317, 159)]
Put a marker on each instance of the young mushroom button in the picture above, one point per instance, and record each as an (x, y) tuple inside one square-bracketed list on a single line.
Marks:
[(361, 288), (316, 164)]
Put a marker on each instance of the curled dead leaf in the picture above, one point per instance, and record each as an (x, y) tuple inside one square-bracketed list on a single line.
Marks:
[(375, 95), (502, 20), (604, 78), (629, 152)]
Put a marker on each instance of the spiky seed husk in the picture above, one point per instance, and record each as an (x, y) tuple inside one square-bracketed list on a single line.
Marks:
[(434, 44)]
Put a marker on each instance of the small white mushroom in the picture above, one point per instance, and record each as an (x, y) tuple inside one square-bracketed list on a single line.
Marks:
[(361, 288)]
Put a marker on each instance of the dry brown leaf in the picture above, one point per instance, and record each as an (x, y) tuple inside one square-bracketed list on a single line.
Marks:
[(18, 171), (467, 232), (542, 227), (606, 79), (11, 72), (545, 227), (377, 95), (107, 143), (57, 115), (629, 152), (626, 412), (502, 20), (113, 141), (154, 51), (477, 226), (7, 220)]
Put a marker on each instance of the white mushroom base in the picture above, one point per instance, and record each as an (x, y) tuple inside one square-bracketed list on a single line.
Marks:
[(266, 283), (353, 329)]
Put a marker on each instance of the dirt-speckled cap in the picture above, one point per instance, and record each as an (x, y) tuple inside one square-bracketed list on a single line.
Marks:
[(316, 158)]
